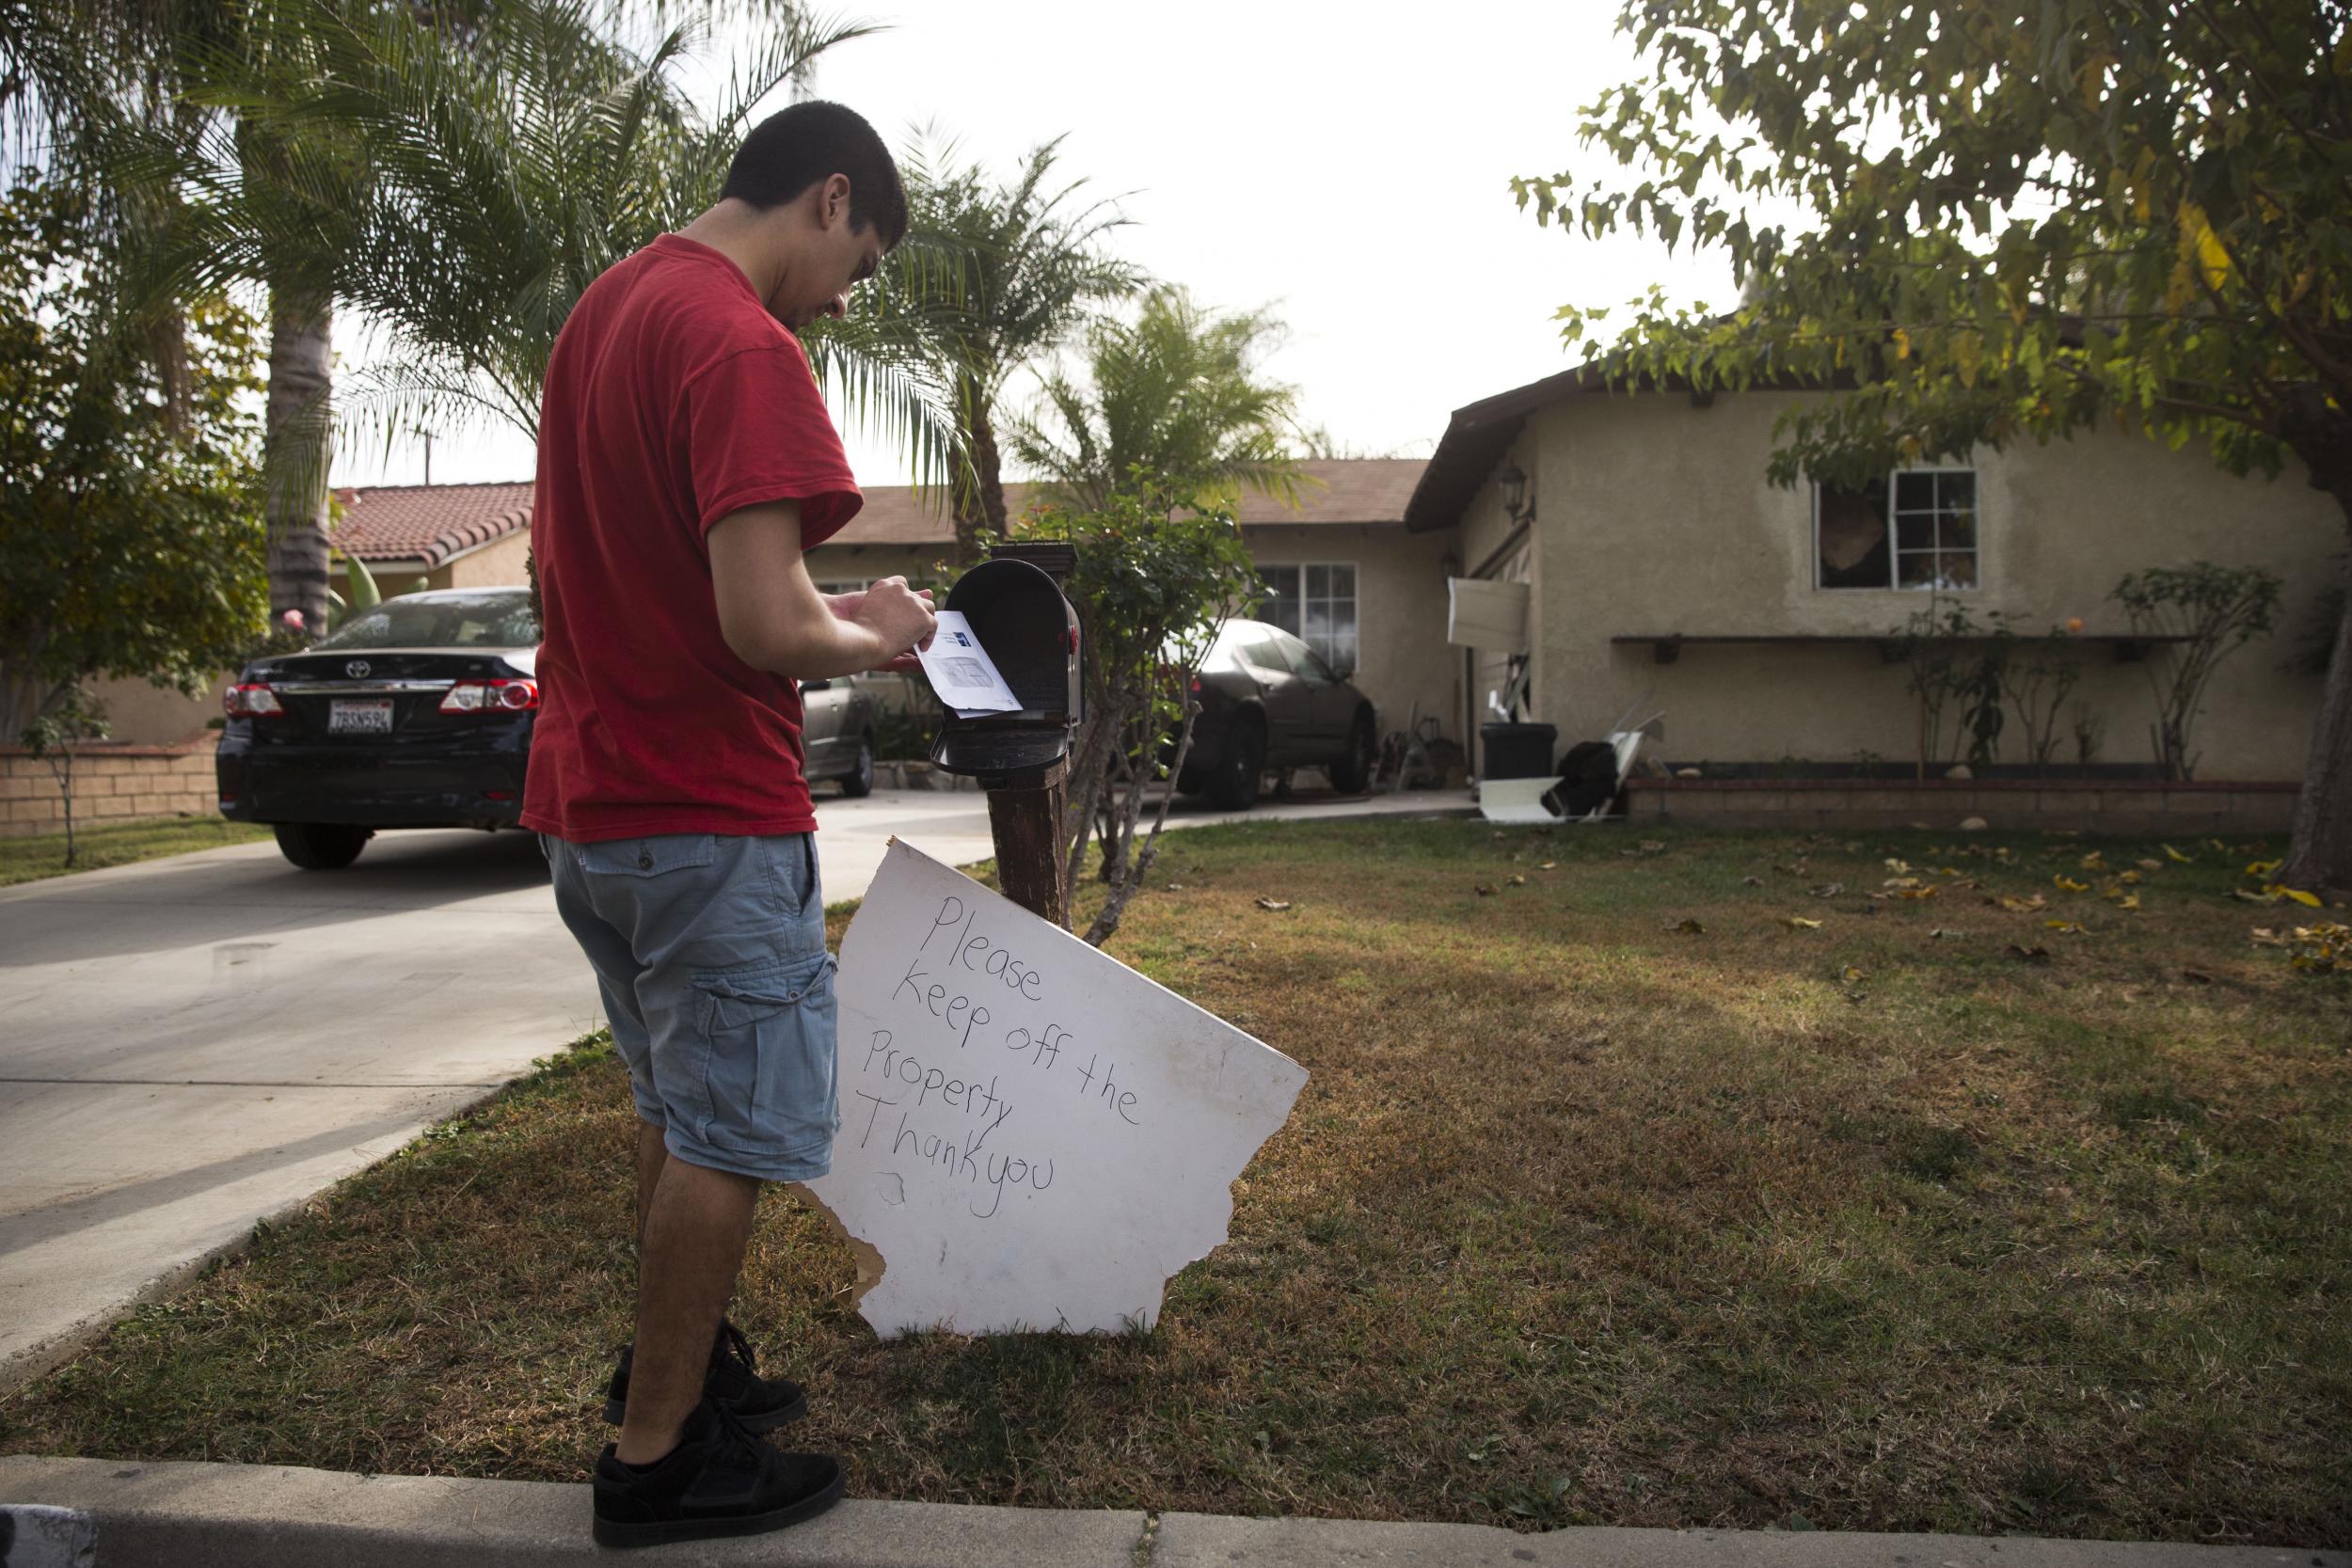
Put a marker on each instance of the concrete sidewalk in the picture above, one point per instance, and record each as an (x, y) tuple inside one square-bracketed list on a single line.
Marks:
[(191, 1515)]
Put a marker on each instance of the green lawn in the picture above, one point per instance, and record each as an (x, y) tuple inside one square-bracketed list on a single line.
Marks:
[(30, 858), (1586, 1215)]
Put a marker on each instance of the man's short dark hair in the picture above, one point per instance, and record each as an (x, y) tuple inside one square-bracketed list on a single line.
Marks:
[(793, 149)]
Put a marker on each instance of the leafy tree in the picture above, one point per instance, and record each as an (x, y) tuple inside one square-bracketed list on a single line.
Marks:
[(1995, 220), (1022, 266), (1157, 574), (128, 548), (1175, 394), (55, 738)]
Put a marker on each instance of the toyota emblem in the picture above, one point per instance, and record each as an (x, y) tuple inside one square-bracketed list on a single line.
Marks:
[(358, 669)]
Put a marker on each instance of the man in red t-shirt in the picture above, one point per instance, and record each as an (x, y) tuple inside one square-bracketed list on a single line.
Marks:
[(686, 461)]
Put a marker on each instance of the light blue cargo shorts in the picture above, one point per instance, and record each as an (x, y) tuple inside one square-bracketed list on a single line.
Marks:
[(709, 951)]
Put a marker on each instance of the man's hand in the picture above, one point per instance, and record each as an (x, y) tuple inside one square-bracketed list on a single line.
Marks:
[(902, 617)]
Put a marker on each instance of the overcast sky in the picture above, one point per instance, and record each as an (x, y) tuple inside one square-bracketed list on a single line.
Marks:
[(1311, 157)]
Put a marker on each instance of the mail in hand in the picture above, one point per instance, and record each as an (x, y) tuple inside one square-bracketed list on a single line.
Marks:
[(966, 679)]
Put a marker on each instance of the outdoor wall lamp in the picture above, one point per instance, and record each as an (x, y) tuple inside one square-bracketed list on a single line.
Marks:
[(1515, 499)]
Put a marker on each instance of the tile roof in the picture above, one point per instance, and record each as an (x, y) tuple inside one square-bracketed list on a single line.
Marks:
[(428, 522), (437, 522), (1337, 490)]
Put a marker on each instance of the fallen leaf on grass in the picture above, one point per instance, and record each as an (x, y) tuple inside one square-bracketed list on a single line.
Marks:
[(1827, 890), (2309, 900), (2265, 937), (1851, 976), (2150, 866), (2130, 878), (1547, 865), (1799, 923), (1688, 928), (1483, 891), (1751, 881), (2122, 900), (1897, 866), (1175, 887), (1276, 904), (1514, 879), (2015, 905), (2263, 869), (2196, 978), (2095, 861), (2067, 884), (1914, 894), (2177, 858), (1943, 931), (1652, 846), (2076, 927), (2030, 955)]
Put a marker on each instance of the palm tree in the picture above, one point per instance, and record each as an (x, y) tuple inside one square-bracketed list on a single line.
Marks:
[(1029, 263), (1174, 395), (505, 177)]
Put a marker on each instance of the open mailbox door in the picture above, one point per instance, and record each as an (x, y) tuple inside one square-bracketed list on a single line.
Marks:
[(1030, 633)]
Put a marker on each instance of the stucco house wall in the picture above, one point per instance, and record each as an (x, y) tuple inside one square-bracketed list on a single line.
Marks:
[(1402, 659), (1656, 518)]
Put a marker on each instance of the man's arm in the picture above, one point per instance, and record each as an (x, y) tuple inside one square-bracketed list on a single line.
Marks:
[(773, 618)]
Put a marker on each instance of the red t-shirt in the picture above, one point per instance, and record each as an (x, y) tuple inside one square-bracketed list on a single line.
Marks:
[(673, 399)]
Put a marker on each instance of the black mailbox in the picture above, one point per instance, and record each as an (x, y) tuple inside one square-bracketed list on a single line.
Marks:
[(1030, 633)]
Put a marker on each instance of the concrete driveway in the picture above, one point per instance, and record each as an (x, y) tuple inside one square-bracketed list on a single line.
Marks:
[(193, 1044)]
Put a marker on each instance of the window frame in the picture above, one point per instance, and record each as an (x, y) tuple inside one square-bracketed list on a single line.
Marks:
[(1355, 601), (1894, 552)]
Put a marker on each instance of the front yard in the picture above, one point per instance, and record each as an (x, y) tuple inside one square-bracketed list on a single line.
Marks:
[(1619, 1194)]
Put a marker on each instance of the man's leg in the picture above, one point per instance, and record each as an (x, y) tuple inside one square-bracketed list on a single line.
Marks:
[(653, 1153), (692, 1247)]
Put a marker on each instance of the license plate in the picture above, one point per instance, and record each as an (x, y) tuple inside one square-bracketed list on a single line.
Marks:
[(368, 716)]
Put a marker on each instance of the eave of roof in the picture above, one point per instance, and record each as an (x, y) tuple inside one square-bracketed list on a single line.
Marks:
[(1476, 438)]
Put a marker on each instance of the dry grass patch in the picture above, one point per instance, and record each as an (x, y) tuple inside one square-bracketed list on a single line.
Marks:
[(1583, 1217)]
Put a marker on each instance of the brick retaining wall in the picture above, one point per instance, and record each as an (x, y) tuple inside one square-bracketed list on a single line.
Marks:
[(2072, 805), (111, 783)]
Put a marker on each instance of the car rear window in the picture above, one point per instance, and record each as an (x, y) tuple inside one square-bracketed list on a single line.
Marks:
[(479, 621)]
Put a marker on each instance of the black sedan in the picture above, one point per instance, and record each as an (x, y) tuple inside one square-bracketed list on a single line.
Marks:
[(1269, 702), (417, 713)]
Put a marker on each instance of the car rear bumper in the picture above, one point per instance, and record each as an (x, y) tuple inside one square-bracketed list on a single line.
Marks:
[(291, 784)]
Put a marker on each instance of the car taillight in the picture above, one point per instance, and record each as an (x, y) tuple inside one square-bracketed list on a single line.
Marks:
[(500, 696), (1195, 686), (250, 701)]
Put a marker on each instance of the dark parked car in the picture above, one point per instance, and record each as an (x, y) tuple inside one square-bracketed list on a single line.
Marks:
[(1268, 701), (417, 713)]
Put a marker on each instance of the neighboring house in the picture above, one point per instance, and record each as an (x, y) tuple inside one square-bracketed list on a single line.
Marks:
[(1664, 572), (1340, 568), (413, 536)]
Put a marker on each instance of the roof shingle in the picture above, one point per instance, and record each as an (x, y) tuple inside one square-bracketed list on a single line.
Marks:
[(428, 522), (434, 523)]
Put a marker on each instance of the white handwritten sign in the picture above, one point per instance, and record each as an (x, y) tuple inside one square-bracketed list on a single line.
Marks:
[(1033, 1135)]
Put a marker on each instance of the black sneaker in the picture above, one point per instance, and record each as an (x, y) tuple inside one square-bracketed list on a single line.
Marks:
[(761, 1403), (720, 1480)]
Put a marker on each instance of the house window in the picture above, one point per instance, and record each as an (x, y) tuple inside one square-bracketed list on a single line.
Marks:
[(1913, 529), (843, 585), (1315, 603)]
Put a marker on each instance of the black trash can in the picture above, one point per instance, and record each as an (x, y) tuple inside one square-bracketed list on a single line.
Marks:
[(1518, 751)]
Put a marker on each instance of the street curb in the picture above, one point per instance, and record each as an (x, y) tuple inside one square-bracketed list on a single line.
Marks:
[(183, 1514), (201, 1515)]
